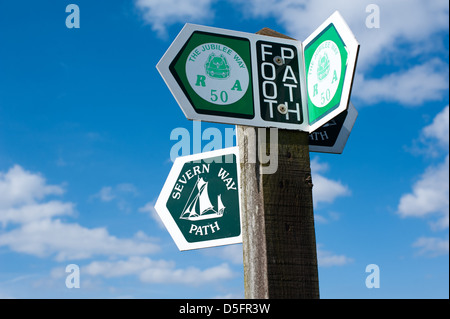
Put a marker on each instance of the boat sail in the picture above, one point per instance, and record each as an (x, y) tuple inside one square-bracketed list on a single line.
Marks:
[(199, 206)]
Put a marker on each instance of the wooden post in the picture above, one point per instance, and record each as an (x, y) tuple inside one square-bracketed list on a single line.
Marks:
[(280, 257)]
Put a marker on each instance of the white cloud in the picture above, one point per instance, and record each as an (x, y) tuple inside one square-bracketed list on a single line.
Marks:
[(407, 87), (126, 188), (331, 216), (38, 233), (434, 138), (324, 189), (189, 276), (119, 193), (160, 14), (407, 30), (108, 193), (439, 129), (150, 209), (70, 241), (413, 22), (429, 196), (329, 259), (158, 271), (36, 211), (327, 190), (20, 192), (231, 253), (105, 194), (132, 266), (431, 246), (18, 186)]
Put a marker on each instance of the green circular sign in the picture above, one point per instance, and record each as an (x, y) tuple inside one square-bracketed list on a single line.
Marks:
[(324, 73), (217, 74)]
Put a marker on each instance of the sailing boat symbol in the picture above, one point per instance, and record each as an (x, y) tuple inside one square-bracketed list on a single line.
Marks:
[(200, 207)]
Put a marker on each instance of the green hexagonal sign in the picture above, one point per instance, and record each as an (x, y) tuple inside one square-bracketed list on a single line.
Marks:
[(213, 71), (330, 60), (200, 203)]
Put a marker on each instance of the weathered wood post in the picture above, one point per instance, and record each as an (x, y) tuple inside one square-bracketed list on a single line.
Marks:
[(280, 257)]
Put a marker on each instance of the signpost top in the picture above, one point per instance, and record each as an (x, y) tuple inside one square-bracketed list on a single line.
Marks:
[(233, 77)]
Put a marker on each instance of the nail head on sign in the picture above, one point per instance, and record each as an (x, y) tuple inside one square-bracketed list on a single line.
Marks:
[(278, 60), (282, 108)]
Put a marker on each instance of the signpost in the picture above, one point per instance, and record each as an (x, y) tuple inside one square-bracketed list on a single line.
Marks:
[(200, 203), (258, 80), (333, 135)]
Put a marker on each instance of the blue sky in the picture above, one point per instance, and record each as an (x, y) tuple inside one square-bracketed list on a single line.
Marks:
[(85, 123)]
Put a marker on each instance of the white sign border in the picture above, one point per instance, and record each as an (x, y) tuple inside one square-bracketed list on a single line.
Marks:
[(352, 46), (166, 216), (188, 109)]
